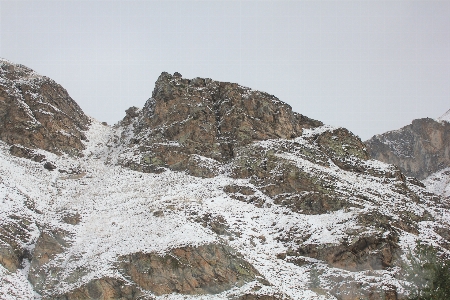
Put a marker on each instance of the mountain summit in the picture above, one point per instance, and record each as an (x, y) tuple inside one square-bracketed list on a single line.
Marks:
[(419, 149), (187, 118), (210, 191)]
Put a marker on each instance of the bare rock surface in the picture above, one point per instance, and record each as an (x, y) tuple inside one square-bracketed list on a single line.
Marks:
[(186, 118), (36, 112), (210, 191), (419, 149), (206, 269)]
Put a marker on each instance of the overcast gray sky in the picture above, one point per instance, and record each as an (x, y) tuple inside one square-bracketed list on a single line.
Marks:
[(369, 66)]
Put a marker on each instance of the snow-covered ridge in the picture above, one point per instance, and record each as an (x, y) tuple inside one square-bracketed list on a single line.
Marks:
[(124, 211), (439, 183), (445, 117), (298, 201)]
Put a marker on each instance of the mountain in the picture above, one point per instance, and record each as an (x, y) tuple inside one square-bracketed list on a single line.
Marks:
[(445, 117), (421, 149), (210, 191), (36, 112)]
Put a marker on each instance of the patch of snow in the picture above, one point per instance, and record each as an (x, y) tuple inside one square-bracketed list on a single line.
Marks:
[(312, 132), (439, 183), (15, 285)]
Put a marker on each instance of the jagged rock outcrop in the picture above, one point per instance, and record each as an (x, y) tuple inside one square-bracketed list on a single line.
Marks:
[(237, 197), (186, 118), (17, 228), (204, 269), (104, 289), (419, 149), (49, 244), (36, 112)]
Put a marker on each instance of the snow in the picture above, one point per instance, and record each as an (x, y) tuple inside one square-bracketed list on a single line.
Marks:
[(439, 182), (312, 132), (14, 285), (124, 212), (445, 117)]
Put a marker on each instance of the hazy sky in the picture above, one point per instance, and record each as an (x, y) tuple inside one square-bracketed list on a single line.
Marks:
[(370, 66)]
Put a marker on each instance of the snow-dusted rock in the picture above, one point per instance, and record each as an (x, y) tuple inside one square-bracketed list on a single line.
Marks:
[(445, 117), (419, 149), (225, 194), (36, 112)]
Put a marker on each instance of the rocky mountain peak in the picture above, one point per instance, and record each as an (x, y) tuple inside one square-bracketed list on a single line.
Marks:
[(231, 195), (419, 149), (224, 112), (36, 112), (205, 117)]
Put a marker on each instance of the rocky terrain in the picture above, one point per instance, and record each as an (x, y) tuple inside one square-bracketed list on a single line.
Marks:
[(36, 112), (210, 191), (421, 149)]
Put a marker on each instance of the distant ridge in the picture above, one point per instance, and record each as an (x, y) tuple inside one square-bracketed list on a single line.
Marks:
[(445, 117), (418, 149)]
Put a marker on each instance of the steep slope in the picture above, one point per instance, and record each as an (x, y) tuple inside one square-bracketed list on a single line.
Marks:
[(99, 231), (439, 183), (36, 112), (225, 194), (419, 149)]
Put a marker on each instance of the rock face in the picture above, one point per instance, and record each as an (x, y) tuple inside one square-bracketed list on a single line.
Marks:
[(36, 112), (419, 149), (206, 269), (211, 191), (49, 244), (186, 118)]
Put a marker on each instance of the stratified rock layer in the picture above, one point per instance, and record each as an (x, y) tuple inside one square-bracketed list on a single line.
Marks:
[(36, 112), (419, 149), (206, 269), (192, 270)]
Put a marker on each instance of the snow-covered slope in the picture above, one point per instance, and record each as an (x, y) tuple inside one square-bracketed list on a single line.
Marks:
[(439, 183), (259, 203), (123, 211)]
